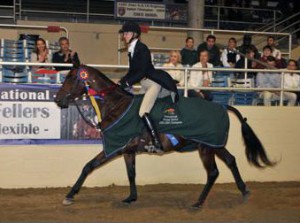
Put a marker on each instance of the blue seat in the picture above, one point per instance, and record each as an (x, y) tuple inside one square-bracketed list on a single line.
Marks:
[(219, 82), (221, 97), (244, 98), (13, 51)]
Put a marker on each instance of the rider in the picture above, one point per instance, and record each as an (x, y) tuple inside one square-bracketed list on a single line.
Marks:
[(141, 70)]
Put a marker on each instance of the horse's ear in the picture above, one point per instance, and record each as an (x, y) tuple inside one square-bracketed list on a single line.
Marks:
[(82, 73)]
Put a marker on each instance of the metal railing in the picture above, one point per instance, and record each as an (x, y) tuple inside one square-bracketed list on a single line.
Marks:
[(272, 28), (9, 7), (275, 15), (9, 26), (186, 71), (86, 15)]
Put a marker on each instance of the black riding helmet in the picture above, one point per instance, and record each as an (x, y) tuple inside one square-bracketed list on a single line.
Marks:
[(131, 27)]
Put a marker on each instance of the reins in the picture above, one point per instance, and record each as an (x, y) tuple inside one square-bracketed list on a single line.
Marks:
[(93, 95)]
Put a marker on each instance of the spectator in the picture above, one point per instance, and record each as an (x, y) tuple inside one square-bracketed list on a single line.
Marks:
[(189, 54), (213, 50), (275, 52), (201, 78), (292, 81), (269, 80), (229, 55), (267, 51), (250, 64), (247, 43), (65, 55), (175, 61), (40, 53)]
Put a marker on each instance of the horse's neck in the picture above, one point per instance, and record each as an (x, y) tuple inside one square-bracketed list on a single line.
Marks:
[(113, 106)]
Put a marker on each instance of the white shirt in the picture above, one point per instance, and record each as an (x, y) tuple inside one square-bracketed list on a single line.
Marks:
[(132, 46), (197, 77), (276, 53), (292, 81), (177, 75), (224, 57)]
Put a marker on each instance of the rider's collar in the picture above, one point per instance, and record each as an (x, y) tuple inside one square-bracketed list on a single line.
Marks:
[(131, 46)]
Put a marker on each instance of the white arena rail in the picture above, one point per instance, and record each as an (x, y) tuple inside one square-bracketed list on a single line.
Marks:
[(186, 75)]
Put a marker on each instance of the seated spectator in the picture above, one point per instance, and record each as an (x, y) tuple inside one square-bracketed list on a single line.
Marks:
[(267, 51), (213, 50), (247, 43), (269, 80), (175, 61), (275, 52), (250, 64), (292, 81), (201, 78), (40, 54), (229, 56), (189, 54), (65, 55)]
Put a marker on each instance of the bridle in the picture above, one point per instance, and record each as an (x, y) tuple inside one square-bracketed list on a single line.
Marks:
[(93, 95)]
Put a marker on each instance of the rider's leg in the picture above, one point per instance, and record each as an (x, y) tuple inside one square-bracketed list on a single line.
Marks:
[(149, 99)]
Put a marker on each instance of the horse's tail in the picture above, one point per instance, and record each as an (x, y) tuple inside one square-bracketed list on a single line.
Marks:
[(255, 151)]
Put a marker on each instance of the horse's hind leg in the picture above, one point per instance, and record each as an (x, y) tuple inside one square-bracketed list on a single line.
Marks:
[(207, 156), (96, 162), (130, 166), (229, 160)]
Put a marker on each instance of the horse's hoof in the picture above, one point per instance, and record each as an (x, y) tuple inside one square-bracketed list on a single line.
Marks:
[(68, 201), (197, 206), (246, 196), (129, 200)]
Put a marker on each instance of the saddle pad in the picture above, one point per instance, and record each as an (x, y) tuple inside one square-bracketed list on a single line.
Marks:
[(192, 118)]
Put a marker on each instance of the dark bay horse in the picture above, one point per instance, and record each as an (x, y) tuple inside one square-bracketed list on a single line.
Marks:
[(114, 101)]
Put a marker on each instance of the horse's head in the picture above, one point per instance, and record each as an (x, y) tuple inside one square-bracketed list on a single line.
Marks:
[(76, 82)]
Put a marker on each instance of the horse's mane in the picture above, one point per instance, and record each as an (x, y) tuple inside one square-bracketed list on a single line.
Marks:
[(100, 74), (105, 79)]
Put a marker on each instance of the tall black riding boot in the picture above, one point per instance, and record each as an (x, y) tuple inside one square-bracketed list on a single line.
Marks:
[(153, 132)]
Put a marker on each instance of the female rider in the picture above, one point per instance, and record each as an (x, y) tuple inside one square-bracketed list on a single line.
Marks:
[(141, 70)]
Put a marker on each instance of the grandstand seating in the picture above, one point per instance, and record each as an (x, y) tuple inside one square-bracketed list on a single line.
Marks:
[(20, 51), (244, 98), (15, 51)]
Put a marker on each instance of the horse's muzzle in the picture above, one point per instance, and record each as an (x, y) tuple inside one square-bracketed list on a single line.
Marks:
[(62, 102)]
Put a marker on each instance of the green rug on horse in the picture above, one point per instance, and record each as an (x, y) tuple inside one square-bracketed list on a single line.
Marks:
[(192, 118)]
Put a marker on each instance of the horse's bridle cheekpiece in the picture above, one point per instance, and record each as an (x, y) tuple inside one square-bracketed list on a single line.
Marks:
[(83, 75)]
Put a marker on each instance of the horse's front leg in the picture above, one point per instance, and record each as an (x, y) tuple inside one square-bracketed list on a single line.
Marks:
[(130, 166), (97, 162)]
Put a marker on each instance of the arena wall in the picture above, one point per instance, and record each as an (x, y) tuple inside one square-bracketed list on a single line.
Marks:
[(59, 165)]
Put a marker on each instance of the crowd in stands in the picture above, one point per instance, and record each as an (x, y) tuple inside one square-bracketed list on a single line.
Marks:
[(208, 55), (42, 54)]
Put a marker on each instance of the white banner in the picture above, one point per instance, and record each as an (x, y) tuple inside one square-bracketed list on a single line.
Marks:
[(29, 120), (140, 10)]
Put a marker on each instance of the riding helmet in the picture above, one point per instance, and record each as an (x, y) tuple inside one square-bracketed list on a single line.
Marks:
[(131, 27)]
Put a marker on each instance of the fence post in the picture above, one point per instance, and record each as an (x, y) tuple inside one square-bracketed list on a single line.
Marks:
[(246, 73), (219, 12), (281, 89), (185, 82)]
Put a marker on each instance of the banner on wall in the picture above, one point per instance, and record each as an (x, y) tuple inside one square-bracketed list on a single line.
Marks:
[(150, 11), (29, 115)]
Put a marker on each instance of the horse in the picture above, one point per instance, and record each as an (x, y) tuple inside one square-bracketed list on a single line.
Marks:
[(114, 100)]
